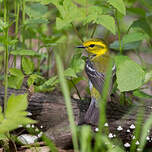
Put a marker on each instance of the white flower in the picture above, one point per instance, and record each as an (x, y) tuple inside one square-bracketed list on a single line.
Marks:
[(147, 138), (110, 135), (96, 129), (127, 145), (133, 137), (138, 149), (119, 128), (137, 142), (28, 126), (40, 134), (106, 124), (20, 126), (32, 126), (132, 126), (36, 129)]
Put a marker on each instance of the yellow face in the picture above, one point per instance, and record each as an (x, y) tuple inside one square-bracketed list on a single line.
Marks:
[(95, 47)]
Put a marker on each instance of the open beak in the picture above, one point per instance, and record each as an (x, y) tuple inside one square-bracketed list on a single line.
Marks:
[(81, 46)]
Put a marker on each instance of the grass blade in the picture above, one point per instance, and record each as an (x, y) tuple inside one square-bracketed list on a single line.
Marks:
[(65, 91)]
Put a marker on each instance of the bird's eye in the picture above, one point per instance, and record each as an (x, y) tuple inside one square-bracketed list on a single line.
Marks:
[(91, 45)]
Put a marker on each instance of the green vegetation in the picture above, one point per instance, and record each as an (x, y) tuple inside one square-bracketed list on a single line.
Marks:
[(33, 31)]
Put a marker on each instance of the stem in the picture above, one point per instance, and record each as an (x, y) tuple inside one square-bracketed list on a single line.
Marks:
[(38, 59), (94, 29), (86, 12), (77, 33), (119, 34), (5, 56), (76, 89), (48, 60), (17, 6), (17, 18), (122, 98), (23, 16)]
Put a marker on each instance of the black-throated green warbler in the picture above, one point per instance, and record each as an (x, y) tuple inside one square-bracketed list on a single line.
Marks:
[(95, 67)]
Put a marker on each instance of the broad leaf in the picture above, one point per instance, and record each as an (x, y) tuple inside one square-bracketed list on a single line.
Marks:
[(35, 79), (119, 5), (107, 21), (130, 75), (142, 24), (16, 72), (15, 114), (27, 65), (148, 77), (48, 85), (36, 10), (70, 73), (3, 25), (137, 11), (133, 37), (25, 53), (77, 63), (34, 22), (93, 13), (126, 46), (70, 13), (16, 78)]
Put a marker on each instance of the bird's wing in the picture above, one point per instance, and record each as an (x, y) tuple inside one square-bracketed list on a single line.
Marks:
[(96, 78)]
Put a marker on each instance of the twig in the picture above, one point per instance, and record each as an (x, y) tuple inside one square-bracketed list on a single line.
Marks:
[(76, 89), (76, 31), (94, 29)]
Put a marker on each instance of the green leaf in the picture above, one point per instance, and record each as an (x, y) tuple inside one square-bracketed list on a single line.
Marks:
[(49, 143), (133, 37), (60, 23), (142, 24), (93, 13), (16, 78), (46, 2), (3, 137), (107, 21), (70, 73), (141, 94), (35, 78), (16, 72), (77, 63), (144, 134), (70, 13), (27, 65), (3, 25), (35, 22), (25, 53), (130, 75), (119, 5), (96, 16), (126, 46), (36, 10), (15, 113), (148, 77), (48, 85), (137, 11)]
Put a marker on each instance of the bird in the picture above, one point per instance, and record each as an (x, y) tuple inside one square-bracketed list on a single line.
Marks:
[(95, 67)]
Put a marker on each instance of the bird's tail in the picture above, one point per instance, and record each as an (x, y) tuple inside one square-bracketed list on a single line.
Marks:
[(92, 114)]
